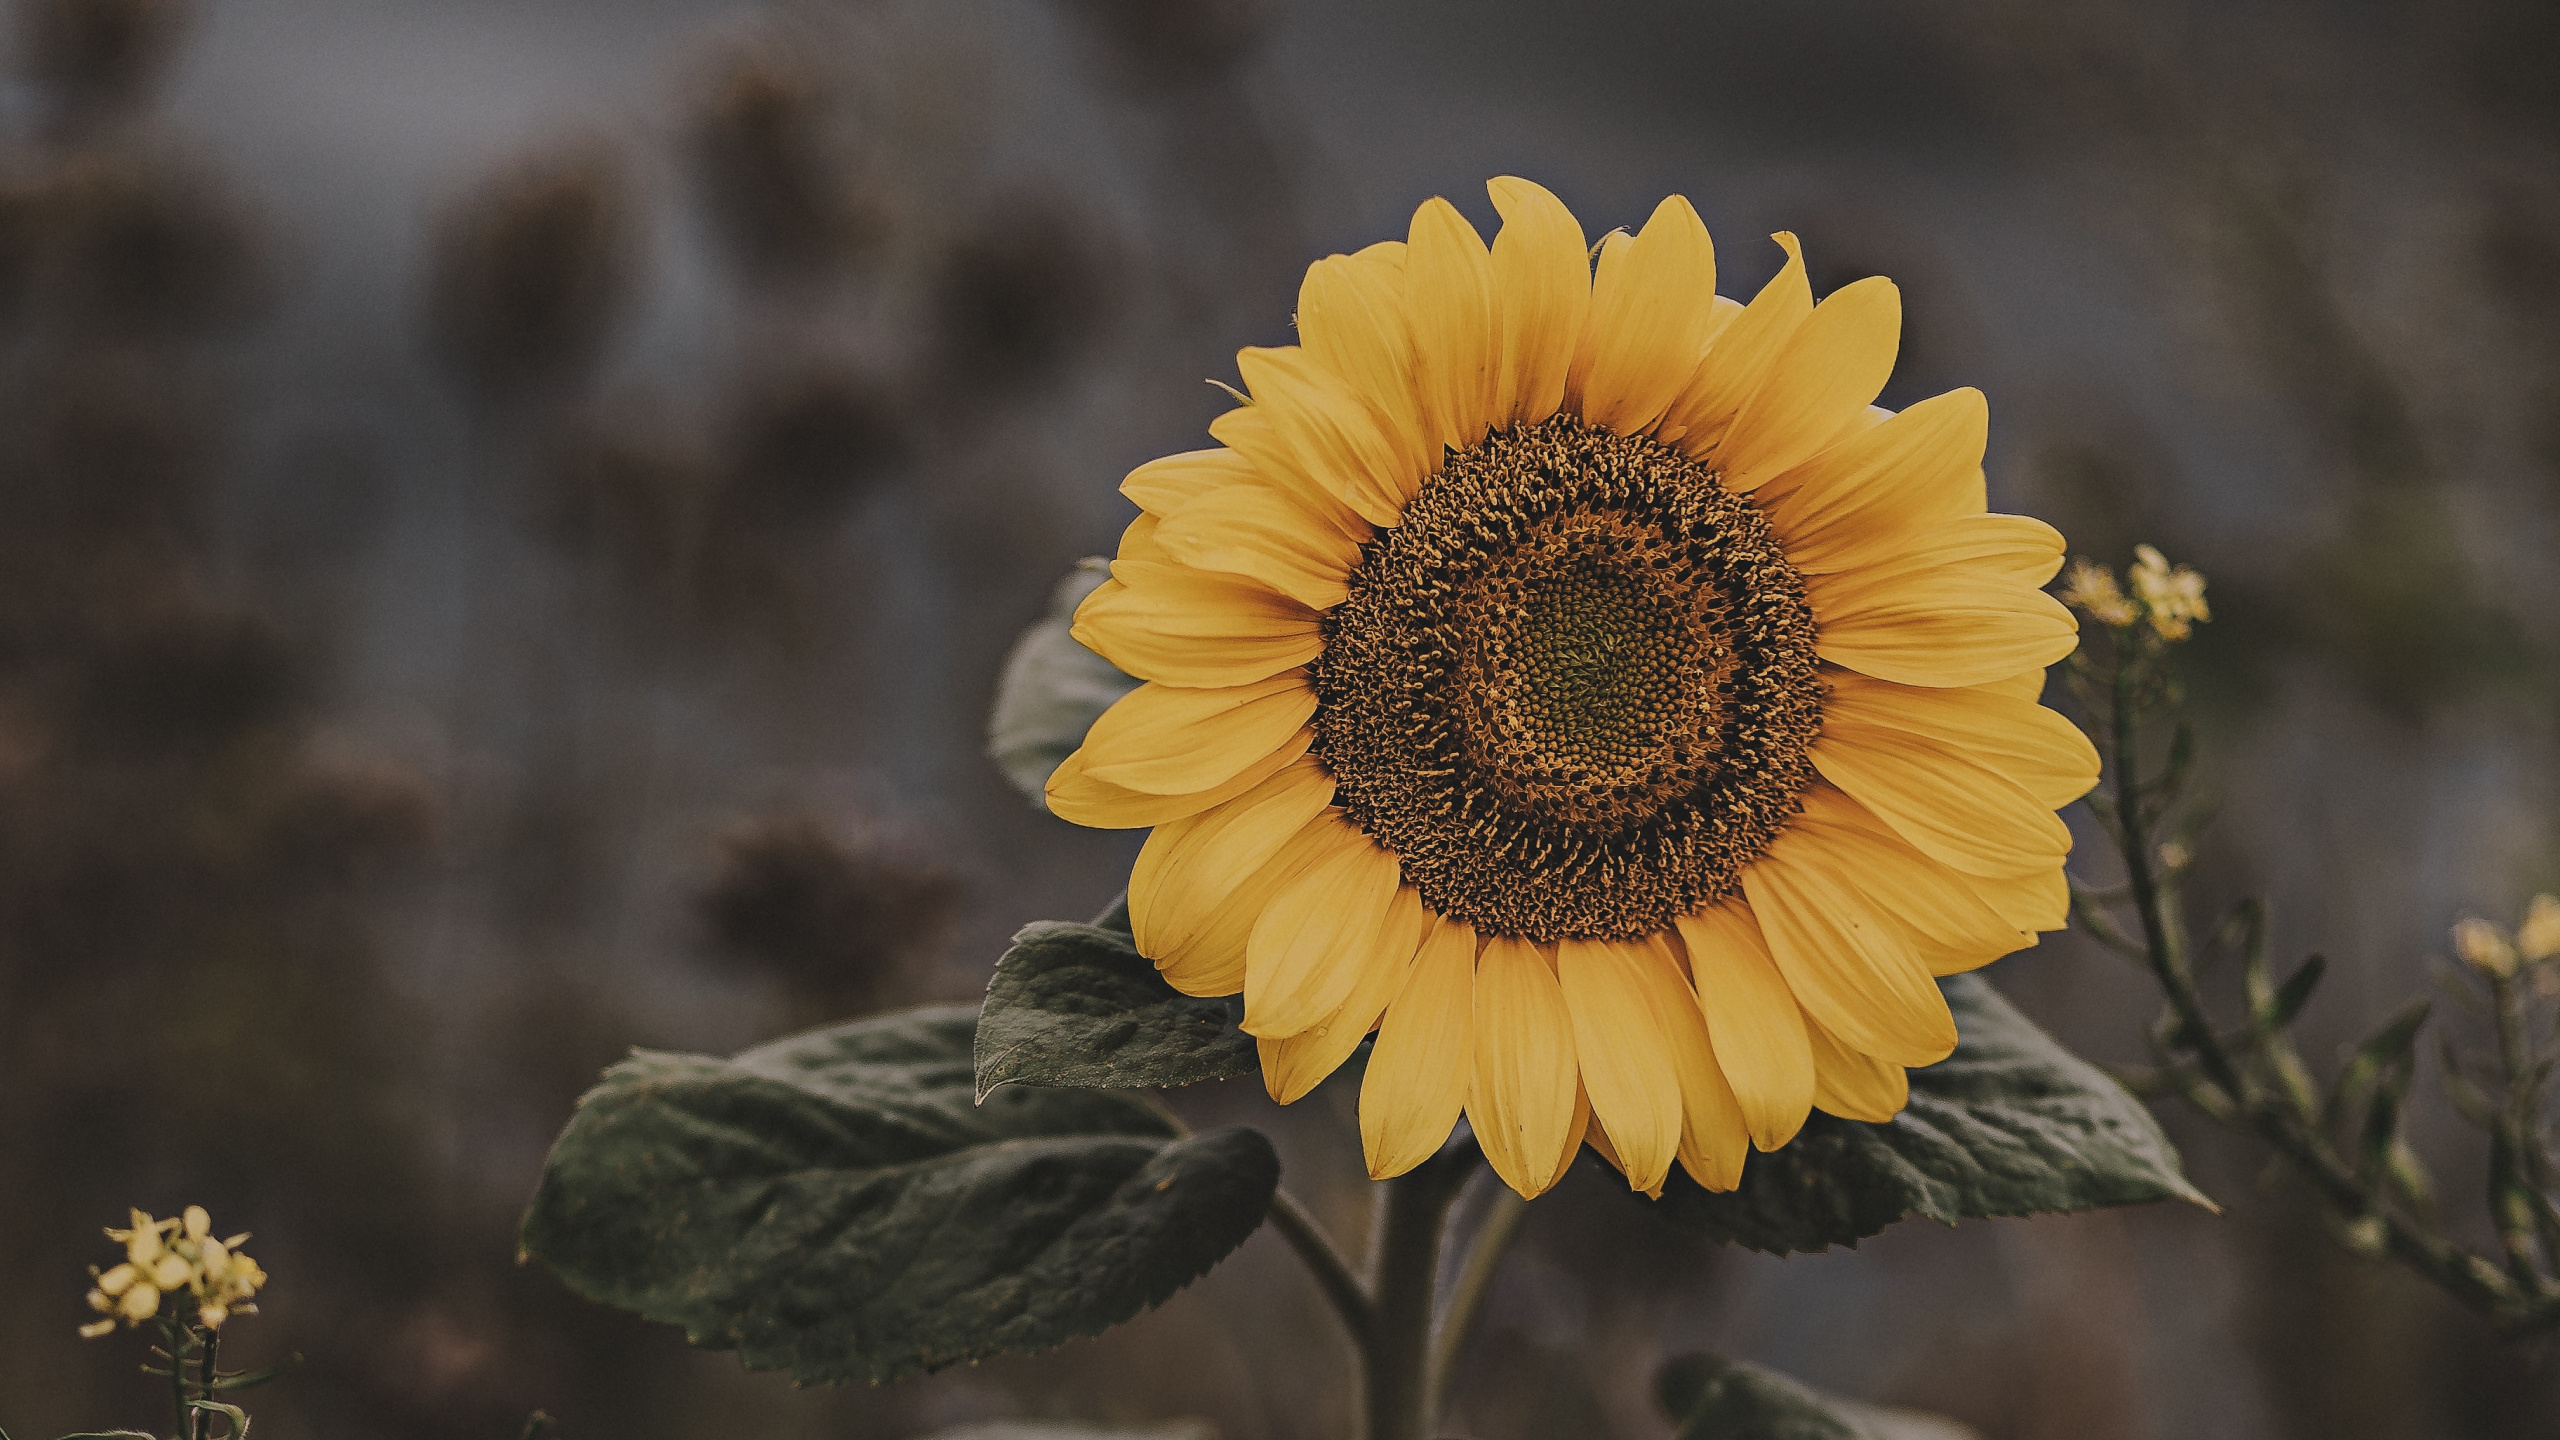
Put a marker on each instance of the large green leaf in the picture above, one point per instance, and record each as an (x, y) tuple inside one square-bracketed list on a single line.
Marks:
[(2011, 1124), (1717, 1399), (1078, 1005), (837, 1205), (1052, 690), (1079, 1431)]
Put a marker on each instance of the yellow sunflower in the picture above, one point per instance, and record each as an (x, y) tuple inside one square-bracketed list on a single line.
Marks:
[(1569, 675)]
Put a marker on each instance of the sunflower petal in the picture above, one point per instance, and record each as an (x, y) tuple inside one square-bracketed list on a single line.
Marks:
[(1626, 1058), (1854, 1086), (1188, 867), (1943, 627), (1249, 431), (1316, 935), (1851, 966), (1448, 291), (1160, 487), (1352, 321), (1652, 304), (2012, 550), (1186, 627), (1210, 958), (1753, 1018), (2025, 685), (1294, 1066), (1850, 505), (1739, 354), (1263, 533), (1330, 430), (1542, 288), (2019, 739), (1168, 741), (1952, 927), (2041, 901), (1523, 1090), (1080, 799), (1138, 542), (1818, 385), (1576, 1131), (1416, 1085), (1963, 813)]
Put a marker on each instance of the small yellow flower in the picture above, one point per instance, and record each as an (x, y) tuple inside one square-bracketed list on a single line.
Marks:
[(2174, 598), (2093, 590), (174, 1257), (2538, 938), (2484, 949)]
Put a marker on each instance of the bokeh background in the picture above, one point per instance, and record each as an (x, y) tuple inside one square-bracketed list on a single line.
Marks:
[(511, 515)]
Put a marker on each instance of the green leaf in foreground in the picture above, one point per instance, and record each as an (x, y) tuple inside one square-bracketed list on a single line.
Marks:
[(1716, 1399), (2011, 1124), (1052, 690), (836, 1204), (1078, 1005), (1076, 1431)]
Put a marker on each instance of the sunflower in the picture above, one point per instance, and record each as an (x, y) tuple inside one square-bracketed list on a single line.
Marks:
[(1567, 674)]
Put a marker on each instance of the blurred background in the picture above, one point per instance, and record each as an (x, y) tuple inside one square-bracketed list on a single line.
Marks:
[(511, 515)]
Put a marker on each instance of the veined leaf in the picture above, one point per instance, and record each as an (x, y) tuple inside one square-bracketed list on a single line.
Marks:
[(1716, 1399), (1078, 1005), (1076, 1431), (1052, 690), (2010, 1124), (836, 1204)]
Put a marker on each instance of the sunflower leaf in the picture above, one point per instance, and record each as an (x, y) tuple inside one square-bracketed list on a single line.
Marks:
[(1078, 1005), (1717, 1399), (1079, 1431), (2011, 1124), (1052, 690), (838, 1205)]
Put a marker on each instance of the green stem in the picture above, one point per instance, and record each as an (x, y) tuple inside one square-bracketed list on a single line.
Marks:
[(2465, 1276), (178, 1374), (1485, 1250), (1396, 1358), (204, 1382), (1323, 1261)]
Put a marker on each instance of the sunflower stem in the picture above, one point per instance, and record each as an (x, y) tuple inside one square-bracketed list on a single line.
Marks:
[(1395, 1359)]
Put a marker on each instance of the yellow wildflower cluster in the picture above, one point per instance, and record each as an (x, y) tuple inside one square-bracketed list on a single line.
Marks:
[(174, 1257), (2491, 951), (2171, 599)]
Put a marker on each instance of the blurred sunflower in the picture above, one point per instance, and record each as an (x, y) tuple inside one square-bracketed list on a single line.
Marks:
[(1571, 677)]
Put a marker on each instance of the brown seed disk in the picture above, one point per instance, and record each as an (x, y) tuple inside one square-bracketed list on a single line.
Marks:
[(1573, 689)]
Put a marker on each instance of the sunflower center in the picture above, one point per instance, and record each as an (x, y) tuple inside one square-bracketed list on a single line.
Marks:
[(1573, 690)]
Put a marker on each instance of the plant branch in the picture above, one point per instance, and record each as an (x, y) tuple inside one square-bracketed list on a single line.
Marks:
[(2517, 1297), (1485, 1250), (1325, 1263)]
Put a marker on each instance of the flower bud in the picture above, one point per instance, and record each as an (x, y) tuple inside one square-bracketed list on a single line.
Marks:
[(140, 1303), (213, 1316), (171, 1273), (2092, 588), (96, 1328), (2538, 938), (2484, 949), (119, 1280), (2173, 598), (199, 1224)]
